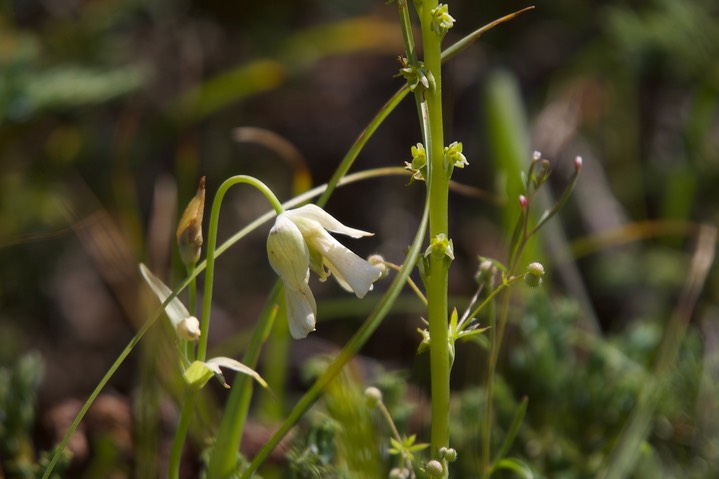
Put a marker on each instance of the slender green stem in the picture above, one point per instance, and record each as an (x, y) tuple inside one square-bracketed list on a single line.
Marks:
[(489, 299), (496, 340), (100, 386), (410, 282), (437, 283), (178, 443), (407, 36), (223, 461), (212, 242), (192, 306), (395, 432)]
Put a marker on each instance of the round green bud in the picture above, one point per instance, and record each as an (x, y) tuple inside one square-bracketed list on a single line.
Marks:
[(448, 453), (535, 271), (434, 468), (373, 396)]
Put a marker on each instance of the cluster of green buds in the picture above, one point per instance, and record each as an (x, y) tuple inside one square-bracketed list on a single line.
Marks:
[(442, 21), (535, 272), (453, 158), (417, 76), (418, 165)]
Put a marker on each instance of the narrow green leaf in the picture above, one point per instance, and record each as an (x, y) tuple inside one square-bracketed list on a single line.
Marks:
[(515, 465), (513, 430)]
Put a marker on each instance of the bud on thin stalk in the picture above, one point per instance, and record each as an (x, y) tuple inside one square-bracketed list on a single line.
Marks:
[(189, 229)]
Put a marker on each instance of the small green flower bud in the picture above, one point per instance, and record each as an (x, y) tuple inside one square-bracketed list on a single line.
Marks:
[(448, 453), (441, 19), (434, 468), (377, 261), (440, 245), (535, 271), (373, 396), (453, 155)]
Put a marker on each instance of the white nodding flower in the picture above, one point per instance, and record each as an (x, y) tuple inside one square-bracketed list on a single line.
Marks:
[(299, 241)]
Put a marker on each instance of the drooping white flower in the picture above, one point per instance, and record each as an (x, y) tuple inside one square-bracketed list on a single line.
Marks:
[(300, 241)]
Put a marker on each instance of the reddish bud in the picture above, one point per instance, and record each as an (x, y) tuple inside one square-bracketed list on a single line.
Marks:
[(523, 202), (578, 163)]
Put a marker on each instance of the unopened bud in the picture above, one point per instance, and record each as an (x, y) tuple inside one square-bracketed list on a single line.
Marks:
[(523, 202), (189, 229), (537, 155), (448, 453), (373, 396), (434, 468), (578, 163), (189, 329), (535, 271)]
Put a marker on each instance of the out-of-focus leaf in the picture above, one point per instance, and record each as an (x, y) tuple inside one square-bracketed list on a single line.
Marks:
[(515, 465), (70, 86)]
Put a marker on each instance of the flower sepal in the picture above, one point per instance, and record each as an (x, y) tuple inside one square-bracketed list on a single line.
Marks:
[(200, 372)]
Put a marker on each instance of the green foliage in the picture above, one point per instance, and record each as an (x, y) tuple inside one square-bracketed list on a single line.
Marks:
[(18, 389)]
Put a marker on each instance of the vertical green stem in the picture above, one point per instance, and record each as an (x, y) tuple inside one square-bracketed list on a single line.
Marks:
[(496, 340), (188, 408), (438, 189)]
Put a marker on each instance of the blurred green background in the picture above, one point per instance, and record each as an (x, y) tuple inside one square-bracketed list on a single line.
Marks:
[(111, 110)]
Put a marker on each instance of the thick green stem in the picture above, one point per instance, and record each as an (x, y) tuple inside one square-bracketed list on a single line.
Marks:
[(438, 189)]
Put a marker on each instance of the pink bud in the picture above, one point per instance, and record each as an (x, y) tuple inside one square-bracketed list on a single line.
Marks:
[(523, 202), (578, 163)]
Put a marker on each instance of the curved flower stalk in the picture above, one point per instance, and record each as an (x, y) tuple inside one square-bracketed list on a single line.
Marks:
[(300, 241)]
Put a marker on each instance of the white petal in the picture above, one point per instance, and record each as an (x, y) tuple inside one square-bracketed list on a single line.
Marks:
[(352, 272), (214, 365), (288, 253), (301, 311), (325, 220), (176, 312)]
